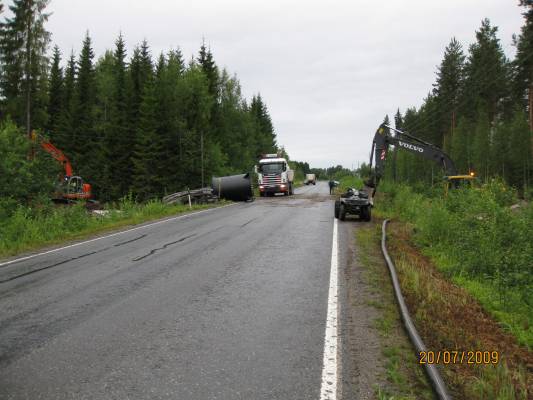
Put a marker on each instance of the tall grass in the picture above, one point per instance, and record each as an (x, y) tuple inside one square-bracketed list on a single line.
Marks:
[(26, 228), (349, 181), (475, 237)]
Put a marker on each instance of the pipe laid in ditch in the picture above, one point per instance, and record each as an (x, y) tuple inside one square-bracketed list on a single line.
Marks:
[(431, 369)]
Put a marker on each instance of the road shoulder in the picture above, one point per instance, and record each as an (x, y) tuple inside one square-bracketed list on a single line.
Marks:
[(378, 360)]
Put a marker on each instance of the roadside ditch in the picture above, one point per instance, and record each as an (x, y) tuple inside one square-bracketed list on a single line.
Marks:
[(381, 362)]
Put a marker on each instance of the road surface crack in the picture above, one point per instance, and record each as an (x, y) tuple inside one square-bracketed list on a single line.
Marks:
[(252, 220), (54, 265), (163, 247)]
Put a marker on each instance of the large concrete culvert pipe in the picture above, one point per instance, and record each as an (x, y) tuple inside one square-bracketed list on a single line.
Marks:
[(233, 187)]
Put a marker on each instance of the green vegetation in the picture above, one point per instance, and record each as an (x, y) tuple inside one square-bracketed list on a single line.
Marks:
[(29, 228), (28, 219), (477, 112), (22, 180), (129, 123), (349, 181), (477, 240), (404, 376), (448, 316)]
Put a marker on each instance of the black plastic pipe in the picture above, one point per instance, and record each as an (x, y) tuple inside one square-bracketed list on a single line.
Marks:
[(431, 370)]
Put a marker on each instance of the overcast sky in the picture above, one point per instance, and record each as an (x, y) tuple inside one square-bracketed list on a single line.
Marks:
[(329, 71)]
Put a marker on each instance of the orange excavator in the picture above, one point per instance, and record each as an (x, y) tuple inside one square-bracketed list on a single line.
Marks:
[(70, 187)]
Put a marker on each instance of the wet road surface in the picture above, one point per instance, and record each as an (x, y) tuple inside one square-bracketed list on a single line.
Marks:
[(225, 304)]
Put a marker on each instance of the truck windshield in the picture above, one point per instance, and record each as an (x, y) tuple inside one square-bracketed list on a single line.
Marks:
[(272, 168)]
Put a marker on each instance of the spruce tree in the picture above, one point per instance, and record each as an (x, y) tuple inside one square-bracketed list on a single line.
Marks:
[(24, 43), (172, 121), (196, 104), (104, 111), (211, 136), (450, 77), (523, 64), (398, 120), (141, 70), (88, 147), (235, 138), (209, 68), (168, 73), (55, 97), (265, 136), (175, 61), (487, 75), (65, 133), (146, 179), (120, 138)]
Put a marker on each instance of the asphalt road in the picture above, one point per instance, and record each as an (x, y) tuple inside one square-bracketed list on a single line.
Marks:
[(225, 304)]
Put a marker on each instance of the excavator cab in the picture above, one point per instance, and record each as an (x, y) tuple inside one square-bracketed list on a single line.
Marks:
[(72, 188)]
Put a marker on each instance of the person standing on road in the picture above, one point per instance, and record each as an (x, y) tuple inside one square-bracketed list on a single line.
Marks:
[(331, 186)]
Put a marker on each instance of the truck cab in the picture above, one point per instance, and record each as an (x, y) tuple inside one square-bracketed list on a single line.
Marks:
[(274, 176)]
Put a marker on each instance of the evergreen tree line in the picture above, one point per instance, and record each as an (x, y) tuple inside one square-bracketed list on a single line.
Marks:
[(135, 123), (479, 111)]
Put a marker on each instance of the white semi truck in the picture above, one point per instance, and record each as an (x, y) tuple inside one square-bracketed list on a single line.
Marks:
[(274, 175)]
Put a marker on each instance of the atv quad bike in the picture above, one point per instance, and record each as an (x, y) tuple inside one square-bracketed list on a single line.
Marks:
[(354, 202)]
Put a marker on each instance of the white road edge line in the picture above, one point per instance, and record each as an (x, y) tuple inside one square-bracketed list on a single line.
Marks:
[(328, 387), (16, 260)]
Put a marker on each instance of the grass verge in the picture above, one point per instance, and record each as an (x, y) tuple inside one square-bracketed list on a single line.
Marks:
[(405, 379), (29, 229), (449, 319), (477, 240)]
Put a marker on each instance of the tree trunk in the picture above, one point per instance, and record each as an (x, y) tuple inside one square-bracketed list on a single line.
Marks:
[(530, 96), (27, 71)]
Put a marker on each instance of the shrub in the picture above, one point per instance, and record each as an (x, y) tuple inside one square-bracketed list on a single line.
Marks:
[(474, 233)]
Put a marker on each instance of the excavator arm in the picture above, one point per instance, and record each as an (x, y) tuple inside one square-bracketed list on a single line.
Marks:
[(58, 156), (383, 139)]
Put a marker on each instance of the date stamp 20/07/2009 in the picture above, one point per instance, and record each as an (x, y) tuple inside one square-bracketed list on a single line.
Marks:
[(472, 357)]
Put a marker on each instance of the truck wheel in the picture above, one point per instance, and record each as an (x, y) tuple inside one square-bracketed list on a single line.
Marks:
[(291, 190), (342, 212), (336, 212)]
